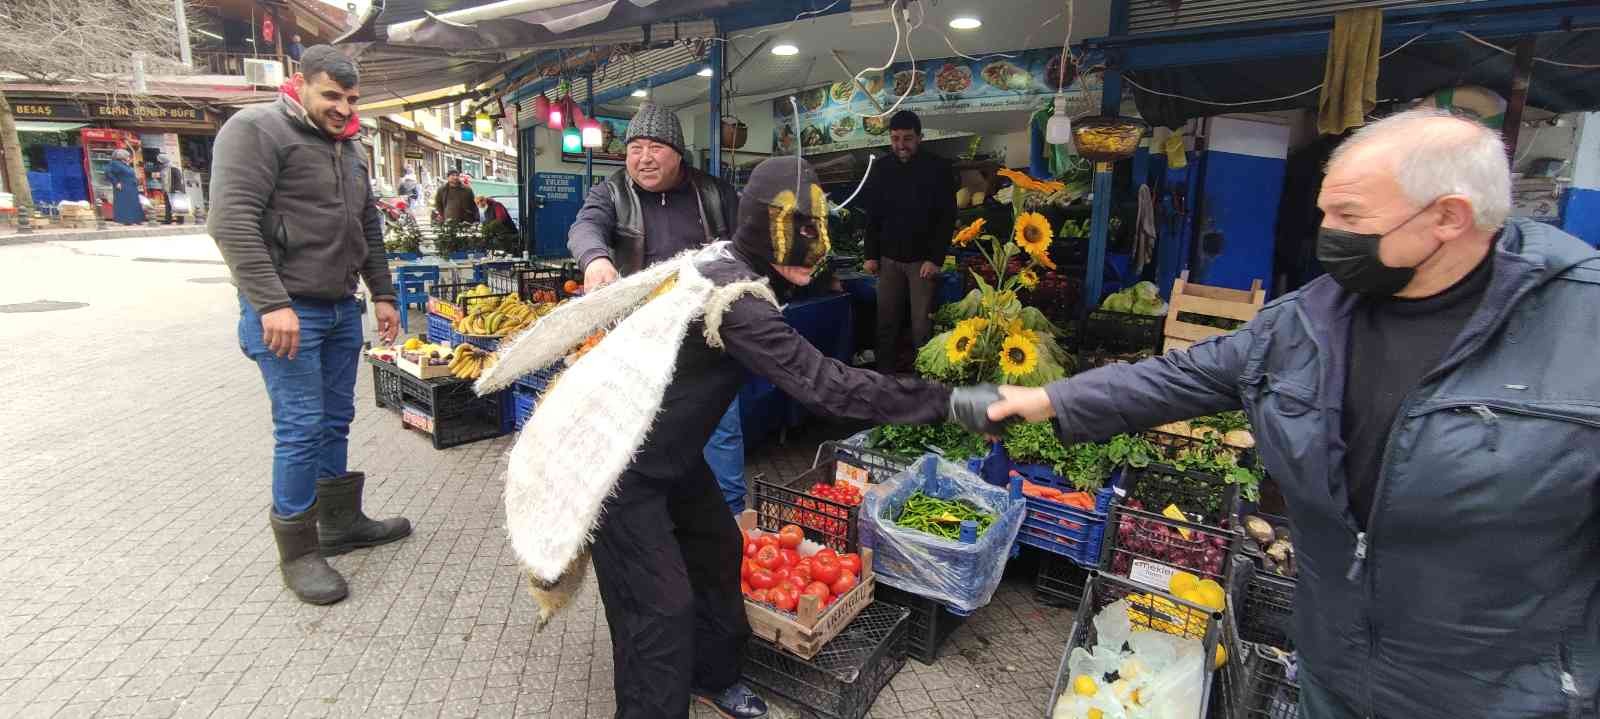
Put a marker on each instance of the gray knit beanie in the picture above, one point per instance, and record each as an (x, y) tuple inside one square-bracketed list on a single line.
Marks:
[(654, 122)]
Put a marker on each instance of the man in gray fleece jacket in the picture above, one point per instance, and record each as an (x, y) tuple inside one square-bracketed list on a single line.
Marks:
[(292, 212)]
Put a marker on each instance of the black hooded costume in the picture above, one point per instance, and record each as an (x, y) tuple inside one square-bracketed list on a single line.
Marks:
[(667, 552)]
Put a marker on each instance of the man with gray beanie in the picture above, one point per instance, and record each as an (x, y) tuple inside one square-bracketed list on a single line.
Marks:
[(654, 208)]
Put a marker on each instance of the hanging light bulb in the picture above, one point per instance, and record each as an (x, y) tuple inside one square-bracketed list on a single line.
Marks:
[(1058, 131), (541, 109), (483, 124), (571, 140), (592, 136), (556, 119), (466, 132)]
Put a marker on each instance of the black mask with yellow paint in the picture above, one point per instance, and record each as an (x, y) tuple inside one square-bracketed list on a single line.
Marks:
[(783, 216)]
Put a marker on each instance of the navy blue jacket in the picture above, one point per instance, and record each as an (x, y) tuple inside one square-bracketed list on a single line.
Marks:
[(1475, 591)]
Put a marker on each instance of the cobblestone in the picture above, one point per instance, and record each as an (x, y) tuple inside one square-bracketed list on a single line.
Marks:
[(140, 577)]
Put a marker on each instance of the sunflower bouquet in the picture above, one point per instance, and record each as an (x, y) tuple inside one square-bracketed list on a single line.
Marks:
[(995, 337)]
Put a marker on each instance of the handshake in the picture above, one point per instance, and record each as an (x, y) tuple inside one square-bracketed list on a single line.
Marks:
[(988, 409)]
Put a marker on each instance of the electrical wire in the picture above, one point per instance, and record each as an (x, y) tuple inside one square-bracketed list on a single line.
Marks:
[(953, 49), (1509, 51), (1307, 91), (1525, 153), (910, 84), (894, 53)]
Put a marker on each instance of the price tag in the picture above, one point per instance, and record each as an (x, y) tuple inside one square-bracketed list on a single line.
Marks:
[(1152, 574), (846, 472)]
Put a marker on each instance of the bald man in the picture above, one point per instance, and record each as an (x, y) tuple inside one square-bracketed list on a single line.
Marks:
[(1431, 410)]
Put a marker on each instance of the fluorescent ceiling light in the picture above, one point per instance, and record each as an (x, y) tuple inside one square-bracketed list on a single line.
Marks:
[(785, 50), (704, 72), (640, 93), (211, 35), (965, 22)]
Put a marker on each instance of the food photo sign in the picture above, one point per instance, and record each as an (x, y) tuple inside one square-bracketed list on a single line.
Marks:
[(612, 151), (840, 117)]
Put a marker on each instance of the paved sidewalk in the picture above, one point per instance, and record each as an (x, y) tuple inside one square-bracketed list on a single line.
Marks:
[(138, 576), (111, 231)]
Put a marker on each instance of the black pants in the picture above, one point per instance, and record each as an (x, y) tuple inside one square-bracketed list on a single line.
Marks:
[(667, 559)]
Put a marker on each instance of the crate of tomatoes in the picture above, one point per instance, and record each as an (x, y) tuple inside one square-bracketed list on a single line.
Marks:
[(824, 500), (799, 593)]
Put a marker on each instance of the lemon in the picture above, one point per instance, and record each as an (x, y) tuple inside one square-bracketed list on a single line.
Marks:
[(1222, 657), (1096, 714), (413, 343), (1181, 581), (1084, 686), (1212, 592)]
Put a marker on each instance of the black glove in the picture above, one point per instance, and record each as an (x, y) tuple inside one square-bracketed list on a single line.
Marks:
[(969, 407)]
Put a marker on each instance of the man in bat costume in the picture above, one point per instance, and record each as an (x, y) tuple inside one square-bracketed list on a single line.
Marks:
[(610, 464)]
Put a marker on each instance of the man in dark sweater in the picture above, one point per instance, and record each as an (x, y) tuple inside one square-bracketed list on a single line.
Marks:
[(454, 200), (911, 216), (654, 208), (1429, 409), (293, 215)]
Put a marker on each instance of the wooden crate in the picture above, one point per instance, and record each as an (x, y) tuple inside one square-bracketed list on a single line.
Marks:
[(805, 633), (1220, 302), (411, 364)]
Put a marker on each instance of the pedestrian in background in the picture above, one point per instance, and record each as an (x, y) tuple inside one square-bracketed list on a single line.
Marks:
[(655, 207), (296, 249), (911, 216), (454, 200), (125, 205)]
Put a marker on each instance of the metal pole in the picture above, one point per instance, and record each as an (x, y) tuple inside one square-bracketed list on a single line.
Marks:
[(714, 163), (588, 152), (183, 34), (1521, 78)]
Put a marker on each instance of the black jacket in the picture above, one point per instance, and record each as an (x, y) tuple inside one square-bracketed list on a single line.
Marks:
[(759, 341), (612, 225), (911, 209)]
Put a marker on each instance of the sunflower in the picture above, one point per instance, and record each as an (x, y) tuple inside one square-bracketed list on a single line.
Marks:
[(996, 300), (1033, 233), (1028, 278), (968, 233), (1018, 356), (1016, 329), (962, 339), (1026, 183)]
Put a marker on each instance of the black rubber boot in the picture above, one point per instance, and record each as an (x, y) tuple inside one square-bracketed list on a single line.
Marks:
[(344, 526), (300, 560)]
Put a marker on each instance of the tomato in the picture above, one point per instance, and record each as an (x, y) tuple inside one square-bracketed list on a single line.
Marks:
[(767, 540), (791, 536), (845, 583), (824, 568), (759, 596), (825, 551), (744, 588), (750, 548), (780, 574), (783, 599), (797, 583), (850, 562), (762, 579), (745, 567), (752, 535), (818, 590), (790, 557), (769, 557), (829, 601), (802, 568)]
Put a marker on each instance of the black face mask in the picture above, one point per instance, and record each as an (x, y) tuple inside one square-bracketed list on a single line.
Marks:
[(1352, 259)]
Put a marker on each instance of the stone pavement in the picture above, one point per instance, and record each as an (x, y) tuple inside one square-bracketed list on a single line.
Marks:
[(111, 231), (138, 576)]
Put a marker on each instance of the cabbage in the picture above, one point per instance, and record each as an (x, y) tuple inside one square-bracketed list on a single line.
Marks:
[(1146, 290)]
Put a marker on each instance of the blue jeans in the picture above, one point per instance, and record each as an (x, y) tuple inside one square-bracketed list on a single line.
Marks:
[(725, 453), (313, 396)]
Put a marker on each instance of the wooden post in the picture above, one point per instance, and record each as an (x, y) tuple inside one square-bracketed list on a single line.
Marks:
[(1521, 78)]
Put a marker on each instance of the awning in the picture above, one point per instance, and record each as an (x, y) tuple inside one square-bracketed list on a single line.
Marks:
[(483, 24), (35, 126)]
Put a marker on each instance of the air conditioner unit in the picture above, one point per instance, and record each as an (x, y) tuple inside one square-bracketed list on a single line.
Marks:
[(263, 72)]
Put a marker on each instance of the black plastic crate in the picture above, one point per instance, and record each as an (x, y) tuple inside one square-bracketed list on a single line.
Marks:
[(1121, 331), (929, 625), (1198, 494), (779, 502), (1152, 610), (445, 408), (842, 680), (1060, 581), (1147, 546), (1271, 687), (526, 279), (1265, 604)]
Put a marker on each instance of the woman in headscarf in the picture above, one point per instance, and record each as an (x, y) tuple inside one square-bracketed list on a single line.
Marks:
[(124, 189)]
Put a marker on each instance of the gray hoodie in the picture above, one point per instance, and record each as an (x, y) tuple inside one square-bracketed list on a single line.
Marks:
[(292, 211)]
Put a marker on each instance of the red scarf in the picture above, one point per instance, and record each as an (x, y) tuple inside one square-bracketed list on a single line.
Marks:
[(351, 128)]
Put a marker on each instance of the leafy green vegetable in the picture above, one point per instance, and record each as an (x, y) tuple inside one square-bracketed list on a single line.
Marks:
[(912, 440)]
